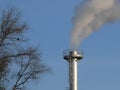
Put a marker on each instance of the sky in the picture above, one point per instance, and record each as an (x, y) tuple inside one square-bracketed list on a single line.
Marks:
[(50, 29)]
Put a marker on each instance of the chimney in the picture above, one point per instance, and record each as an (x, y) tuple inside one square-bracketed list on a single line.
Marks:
[(73, 56)]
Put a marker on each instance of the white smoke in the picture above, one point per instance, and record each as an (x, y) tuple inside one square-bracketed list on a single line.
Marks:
[(90, 15)]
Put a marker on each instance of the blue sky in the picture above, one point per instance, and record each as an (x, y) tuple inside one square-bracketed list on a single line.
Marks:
[(50, 28)]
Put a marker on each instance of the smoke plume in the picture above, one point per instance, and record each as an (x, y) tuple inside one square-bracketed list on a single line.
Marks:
[(90, 15)]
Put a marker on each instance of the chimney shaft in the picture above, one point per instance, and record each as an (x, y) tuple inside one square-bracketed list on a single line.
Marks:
[(72, 56)]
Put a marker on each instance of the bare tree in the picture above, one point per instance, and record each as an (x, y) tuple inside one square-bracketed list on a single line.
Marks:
[(18, 63)]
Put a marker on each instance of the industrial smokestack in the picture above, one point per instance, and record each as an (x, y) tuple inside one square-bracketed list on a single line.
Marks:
[(73, 56), (90, 15)]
